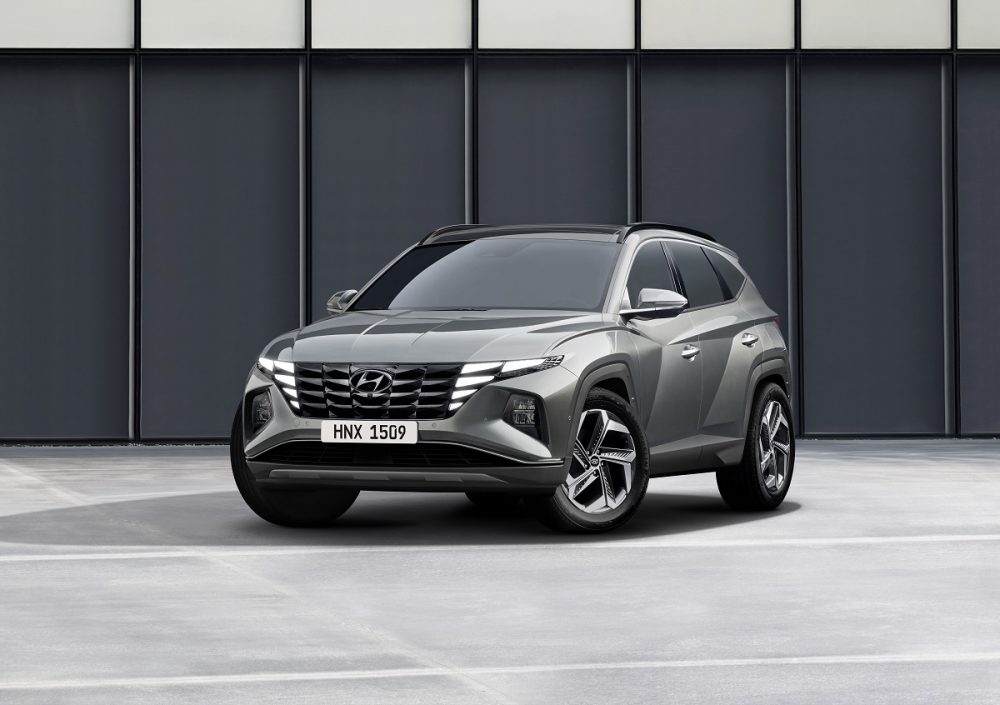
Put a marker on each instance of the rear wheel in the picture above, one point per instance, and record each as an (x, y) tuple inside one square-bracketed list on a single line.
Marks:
[(760, 482), (297, 507), (496, 501), (608, 474)]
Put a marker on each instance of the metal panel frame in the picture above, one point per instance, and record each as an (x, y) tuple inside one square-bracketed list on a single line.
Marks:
[(950, 228), (870, 111)]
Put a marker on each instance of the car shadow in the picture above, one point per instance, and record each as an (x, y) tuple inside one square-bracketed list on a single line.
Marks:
[(376, 519)]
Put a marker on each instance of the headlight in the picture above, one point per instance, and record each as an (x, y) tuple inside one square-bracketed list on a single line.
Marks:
[(475, 375), (283, 374)]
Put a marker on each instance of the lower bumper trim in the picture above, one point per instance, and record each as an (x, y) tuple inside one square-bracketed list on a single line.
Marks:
[(375, 476), (526, 478)]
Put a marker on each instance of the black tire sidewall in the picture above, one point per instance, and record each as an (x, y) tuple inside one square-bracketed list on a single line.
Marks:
[(316, 507), (771, 392), (245, 481)]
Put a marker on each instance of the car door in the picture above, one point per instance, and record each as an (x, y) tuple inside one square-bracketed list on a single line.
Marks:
[(729, 343), (669, 384)]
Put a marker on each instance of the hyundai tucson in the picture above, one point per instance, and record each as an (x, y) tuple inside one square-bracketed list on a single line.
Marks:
[(561, 365)]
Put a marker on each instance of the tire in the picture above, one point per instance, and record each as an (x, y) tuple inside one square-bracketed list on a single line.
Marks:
[(608, 479), (494, 501), (751, 486), (294, 507)]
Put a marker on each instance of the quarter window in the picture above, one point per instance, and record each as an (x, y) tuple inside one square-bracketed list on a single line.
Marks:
[(730, 273), (702, 285)]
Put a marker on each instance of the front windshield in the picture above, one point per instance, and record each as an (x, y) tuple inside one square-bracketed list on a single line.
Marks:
[(519, 273)]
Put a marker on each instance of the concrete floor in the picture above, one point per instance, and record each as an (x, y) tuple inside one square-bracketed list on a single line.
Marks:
[(138, 575)]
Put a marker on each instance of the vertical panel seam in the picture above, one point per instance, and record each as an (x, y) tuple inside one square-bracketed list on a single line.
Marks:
[(798, 338), (306, 234), (473, 176), (303, 263), (635, 148), (956, 314), (131, 248), (135, 244), (947, 238)]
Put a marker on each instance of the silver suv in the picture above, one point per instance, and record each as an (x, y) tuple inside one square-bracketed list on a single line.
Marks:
[(564, 365)]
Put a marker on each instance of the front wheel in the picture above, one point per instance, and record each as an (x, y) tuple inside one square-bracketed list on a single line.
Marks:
[(608, 473), (761, 480), (296, 507)]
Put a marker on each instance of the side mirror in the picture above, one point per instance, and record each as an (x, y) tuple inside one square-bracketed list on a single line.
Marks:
[(657, 303), (338, 302)]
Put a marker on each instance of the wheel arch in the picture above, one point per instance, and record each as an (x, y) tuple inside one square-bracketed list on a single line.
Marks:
[(615, 385), (771, 371), (771, 378), (614, 376)]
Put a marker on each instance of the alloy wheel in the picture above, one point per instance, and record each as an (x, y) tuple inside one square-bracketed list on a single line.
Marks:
[(774, 446), (600, 476)]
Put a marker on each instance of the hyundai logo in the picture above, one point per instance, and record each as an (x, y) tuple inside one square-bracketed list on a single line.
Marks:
[(371, 381)]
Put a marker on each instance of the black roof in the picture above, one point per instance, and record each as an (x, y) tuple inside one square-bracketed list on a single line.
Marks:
[(607, 233)]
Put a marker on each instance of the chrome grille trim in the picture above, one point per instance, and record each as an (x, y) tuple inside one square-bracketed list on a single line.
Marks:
[(417, 391)]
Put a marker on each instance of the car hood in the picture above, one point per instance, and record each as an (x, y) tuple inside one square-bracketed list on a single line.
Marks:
[(438, 336)]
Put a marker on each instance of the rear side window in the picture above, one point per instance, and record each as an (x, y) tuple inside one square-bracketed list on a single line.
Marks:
[(701, 284), (650, 270), (729, 272)]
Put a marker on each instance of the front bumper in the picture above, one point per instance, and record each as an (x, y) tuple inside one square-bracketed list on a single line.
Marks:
[(474, 449)]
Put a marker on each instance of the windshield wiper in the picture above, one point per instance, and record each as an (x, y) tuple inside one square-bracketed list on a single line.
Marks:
[(456, 308)]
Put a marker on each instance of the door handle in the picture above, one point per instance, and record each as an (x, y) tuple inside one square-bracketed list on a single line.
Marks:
[(690, 352), (749, 339)]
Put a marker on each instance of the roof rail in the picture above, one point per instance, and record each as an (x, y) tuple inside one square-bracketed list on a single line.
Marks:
[(434, 234), (634, 227), (477, 231), (623, 232)]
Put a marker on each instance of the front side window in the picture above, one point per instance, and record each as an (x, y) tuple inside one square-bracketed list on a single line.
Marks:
[(701, 284), (496, 273), (650, 270)]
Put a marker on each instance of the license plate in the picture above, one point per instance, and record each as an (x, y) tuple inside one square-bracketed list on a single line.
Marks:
[(368, 432)]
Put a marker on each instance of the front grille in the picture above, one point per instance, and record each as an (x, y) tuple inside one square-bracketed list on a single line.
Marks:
[(416, 392), (420, 455)]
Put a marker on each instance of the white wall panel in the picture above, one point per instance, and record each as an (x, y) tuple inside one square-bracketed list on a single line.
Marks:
[(556, 24), (876, 24), (718, 24), (978, 24), (41, 24), (244, 24), (393, 24)]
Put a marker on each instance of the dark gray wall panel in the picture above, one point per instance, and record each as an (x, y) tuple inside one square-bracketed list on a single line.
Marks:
[(220, 237), (979, 242), (64, 231), (872, 244), (388, 163), (714, 157), (553, 140)]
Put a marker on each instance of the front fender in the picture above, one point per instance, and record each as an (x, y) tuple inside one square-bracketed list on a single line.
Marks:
[(594, 358), (594, 375)]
